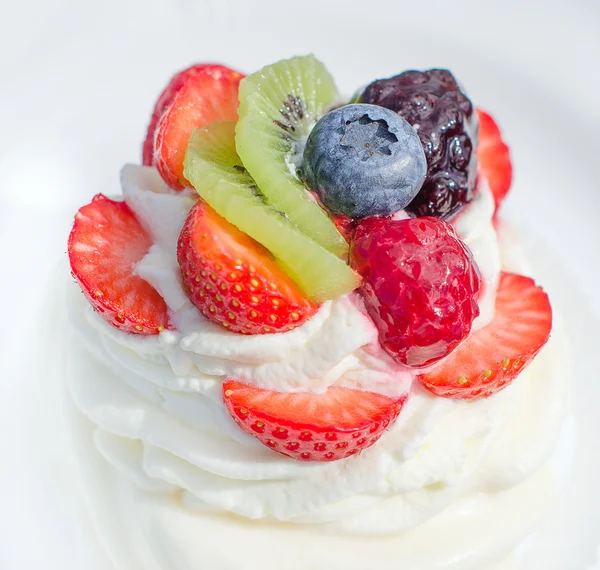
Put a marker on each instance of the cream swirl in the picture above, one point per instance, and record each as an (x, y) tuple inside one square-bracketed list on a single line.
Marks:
[(173, 433), (161, 418)]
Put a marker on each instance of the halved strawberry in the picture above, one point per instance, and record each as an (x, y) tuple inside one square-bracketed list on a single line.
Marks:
[(312, 427), (195, 97), (165, 99), (105, 244), (493, 356), (494, 157), (233, 280)]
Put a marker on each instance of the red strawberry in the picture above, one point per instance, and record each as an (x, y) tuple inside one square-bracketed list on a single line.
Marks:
[(195, 97), (105, 244), (165, 99), (494, 355), (494, 157), (233, 280), (312, 427)]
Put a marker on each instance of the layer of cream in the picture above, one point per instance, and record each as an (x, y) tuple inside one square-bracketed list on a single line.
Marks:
[(158, 416), (464, 483)]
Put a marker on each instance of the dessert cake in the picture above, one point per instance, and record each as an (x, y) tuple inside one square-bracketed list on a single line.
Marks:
[(303, 340)]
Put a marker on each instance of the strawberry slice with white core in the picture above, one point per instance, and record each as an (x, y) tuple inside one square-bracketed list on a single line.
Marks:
[(312, 427), (105, 244), (195, 97), (494, 157), (493, 356), (166, 98)]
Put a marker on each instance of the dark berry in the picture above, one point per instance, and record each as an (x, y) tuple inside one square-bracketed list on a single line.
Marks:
[(432, 102), (420, 286), (363, 160)]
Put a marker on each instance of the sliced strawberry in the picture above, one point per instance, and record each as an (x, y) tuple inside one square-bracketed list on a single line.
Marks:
[(105, 244), (494, 157), (312, 427), (195, 97), (165, 99), (494, 355), (233, 280)]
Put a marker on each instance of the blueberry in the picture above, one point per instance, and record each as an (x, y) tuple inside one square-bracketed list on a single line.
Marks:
[(363, 160)]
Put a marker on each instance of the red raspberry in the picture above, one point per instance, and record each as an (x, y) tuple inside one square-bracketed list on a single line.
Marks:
[(420, 286)]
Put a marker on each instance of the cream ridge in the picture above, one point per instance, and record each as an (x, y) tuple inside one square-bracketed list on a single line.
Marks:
[(158, 418)]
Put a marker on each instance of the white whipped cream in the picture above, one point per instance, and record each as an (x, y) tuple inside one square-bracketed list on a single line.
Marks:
[(156, 404), (451, 469)]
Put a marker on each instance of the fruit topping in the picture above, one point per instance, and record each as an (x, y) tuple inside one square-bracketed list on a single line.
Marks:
[(312, 427), (432, 102), (363, 160), (194, 97), (215, 170), (420, 286), (494, 355), (233, 280), (494, 157), (105, 244), (278, 107)]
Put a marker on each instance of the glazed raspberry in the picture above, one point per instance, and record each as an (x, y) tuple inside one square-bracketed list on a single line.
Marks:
[(420, 286), (444, 118)]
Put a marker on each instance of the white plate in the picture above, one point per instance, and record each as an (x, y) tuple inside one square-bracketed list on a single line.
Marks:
[(78, 83)]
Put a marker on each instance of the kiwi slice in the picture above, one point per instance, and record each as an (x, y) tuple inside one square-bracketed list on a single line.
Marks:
[(214, 169), (279, 105)]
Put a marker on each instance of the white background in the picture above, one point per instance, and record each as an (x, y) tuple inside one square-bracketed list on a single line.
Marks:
[(77, 84)]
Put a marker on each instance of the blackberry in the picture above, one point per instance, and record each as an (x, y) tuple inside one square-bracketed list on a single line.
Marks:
[(446, 122)]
